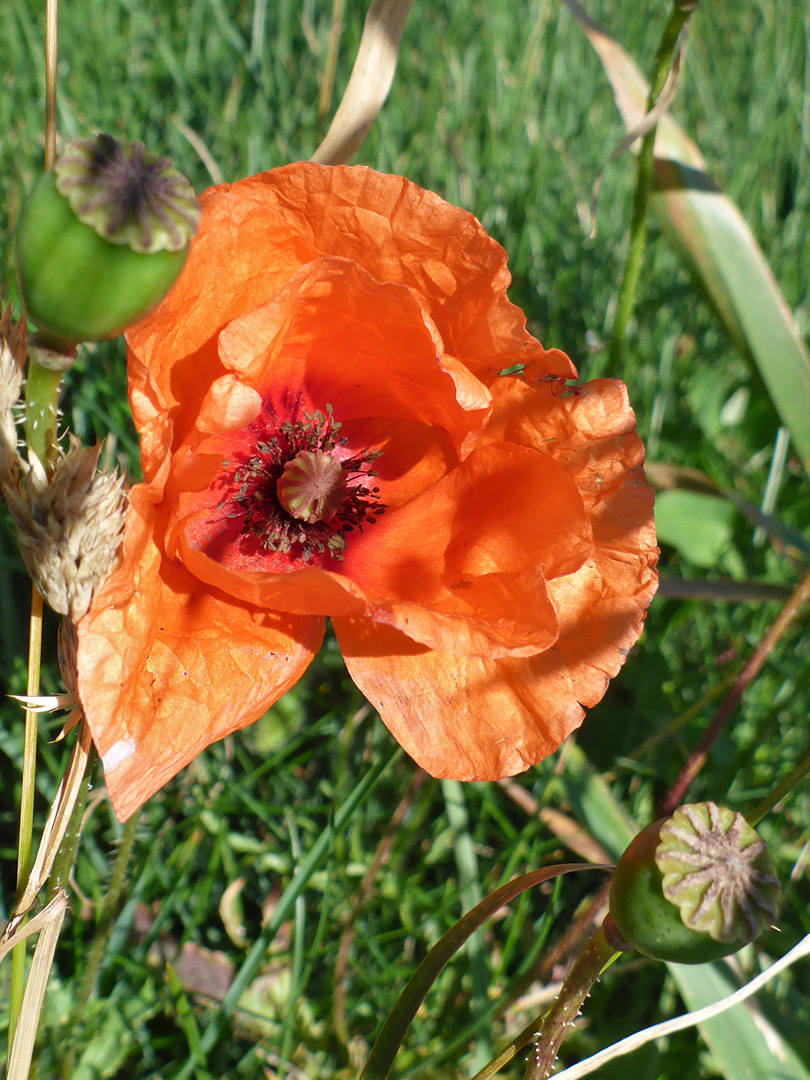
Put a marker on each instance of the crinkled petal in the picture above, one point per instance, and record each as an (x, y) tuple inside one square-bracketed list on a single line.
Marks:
[(175, 668), (256, 233), (591, 430), (467, 718), (334, 336)]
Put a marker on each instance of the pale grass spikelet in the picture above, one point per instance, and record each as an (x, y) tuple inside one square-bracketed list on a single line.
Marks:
[(69, 527), (12, 358)]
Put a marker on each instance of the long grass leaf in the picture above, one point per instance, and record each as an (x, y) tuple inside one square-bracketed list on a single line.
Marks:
[(718, 245)]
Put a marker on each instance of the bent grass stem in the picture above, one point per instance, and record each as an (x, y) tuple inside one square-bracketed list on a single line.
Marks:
[(638, 222)]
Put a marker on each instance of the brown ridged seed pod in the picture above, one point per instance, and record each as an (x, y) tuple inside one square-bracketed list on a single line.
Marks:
[(101, 239), (693, 887)]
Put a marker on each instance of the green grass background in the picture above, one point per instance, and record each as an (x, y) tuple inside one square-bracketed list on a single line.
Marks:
[(504, 109)]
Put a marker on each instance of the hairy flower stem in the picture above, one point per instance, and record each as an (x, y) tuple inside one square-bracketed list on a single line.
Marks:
[(96, 954), (26, 803), (586, 970), (638, 223), (41, 411)]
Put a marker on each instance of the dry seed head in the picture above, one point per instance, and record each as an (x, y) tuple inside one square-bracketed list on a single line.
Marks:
[(69, 527), (717, 872)]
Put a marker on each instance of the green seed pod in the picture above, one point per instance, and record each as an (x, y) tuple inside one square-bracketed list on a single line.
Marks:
[(693, 887), (101, 239)]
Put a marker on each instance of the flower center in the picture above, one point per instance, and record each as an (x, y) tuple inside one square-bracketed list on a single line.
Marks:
[(312, 487), (297, 490)]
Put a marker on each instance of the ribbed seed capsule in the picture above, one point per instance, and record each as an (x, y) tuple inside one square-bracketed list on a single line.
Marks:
[(101, 239), (693, 887)]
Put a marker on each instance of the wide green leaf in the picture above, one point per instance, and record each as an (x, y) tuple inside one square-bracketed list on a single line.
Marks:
[(699, 526), (718, 245)]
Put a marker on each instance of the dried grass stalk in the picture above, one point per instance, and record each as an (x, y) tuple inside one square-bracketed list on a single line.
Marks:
[(370, 81)]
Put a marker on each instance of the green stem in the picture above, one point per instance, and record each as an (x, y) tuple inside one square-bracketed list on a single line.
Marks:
[(638, 224), (96, 954), (26, 803), (779, 792), (586, 970), (42, 410)]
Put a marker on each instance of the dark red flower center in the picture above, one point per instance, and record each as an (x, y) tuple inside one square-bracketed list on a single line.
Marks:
[(301, 489)]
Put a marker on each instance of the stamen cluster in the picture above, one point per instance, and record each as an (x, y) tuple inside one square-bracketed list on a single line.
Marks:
[(257, 501)]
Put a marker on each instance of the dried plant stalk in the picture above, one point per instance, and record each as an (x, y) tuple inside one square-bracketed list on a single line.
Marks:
[(56, 824), (11, 937), (370, 81), (25, 1033)]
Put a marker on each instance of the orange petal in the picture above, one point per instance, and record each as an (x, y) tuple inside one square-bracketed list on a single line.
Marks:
[(493, 615), (176, 667), (461, 717), (263, 228), (504, 510), (445, 567), (403, 234), (228, 406), (591, 430), (332, 335), (602, 606)]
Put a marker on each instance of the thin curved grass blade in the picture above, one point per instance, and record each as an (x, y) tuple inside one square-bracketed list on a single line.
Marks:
[(399, 1019), (718, 245)]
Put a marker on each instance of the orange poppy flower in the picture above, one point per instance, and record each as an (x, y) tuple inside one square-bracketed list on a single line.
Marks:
[(325, 431)]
